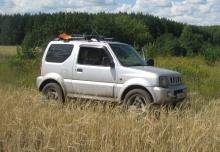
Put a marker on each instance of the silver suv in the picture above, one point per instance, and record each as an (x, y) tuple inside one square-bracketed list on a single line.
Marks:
[(94, 68)]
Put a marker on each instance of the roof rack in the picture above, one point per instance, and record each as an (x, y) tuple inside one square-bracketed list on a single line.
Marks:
[(67, 37)]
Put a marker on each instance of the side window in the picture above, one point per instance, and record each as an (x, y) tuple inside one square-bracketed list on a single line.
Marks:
[(91, 56), (58, 53)]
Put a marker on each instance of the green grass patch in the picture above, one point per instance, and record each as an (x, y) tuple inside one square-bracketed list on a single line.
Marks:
[(17, 77), (197, 75), (16, 71)]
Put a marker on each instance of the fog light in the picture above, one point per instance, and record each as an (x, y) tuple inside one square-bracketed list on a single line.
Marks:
[(184, 91), (169, 94)]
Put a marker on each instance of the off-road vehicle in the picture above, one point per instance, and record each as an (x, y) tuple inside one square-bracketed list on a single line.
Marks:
[(92, 67)]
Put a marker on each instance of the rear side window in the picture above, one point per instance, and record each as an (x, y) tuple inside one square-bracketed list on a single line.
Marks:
[(58, 53)]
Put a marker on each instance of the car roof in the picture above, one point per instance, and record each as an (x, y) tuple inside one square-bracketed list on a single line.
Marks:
[(90, 42), (84, 39)]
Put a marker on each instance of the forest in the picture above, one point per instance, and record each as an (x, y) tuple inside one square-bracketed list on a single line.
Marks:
[(159, 36)]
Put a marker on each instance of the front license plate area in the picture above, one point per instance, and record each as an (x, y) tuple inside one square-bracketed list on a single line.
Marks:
[(180, 95)]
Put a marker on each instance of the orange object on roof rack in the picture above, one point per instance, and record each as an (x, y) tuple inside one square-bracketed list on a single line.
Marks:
[(65, 36)]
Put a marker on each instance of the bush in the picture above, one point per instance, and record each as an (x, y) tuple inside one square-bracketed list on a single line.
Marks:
[(29, 48), (211, 55), (28, 55), (150, 50), (25, 65)]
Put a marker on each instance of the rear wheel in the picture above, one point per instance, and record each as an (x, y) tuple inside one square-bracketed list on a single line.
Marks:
[(53, 92), (137, 100)]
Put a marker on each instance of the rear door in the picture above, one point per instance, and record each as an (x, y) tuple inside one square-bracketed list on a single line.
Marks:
[(90, 76)]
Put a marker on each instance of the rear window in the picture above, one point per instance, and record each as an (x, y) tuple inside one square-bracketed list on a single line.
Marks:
[(58, 53)]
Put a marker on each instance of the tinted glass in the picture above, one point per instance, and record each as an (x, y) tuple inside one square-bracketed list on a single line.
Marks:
[(127, 55), (58, 53), (91, 56)]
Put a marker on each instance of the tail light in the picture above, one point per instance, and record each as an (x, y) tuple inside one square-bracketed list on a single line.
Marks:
[(40, 67)]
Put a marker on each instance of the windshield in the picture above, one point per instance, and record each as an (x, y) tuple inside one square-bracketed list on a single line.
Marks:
[(127, 55)]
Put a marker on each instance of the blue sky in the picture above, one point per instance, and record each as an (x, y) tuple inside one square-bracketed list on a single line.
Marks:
[(196, 12)]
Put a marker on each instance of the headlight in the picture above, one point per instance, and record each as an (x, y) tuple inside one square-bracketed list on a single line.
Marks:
[(163, 82)]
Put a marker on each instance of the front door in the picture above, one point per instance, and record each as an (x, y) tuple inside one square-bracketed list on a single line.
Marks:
[(90, 76)]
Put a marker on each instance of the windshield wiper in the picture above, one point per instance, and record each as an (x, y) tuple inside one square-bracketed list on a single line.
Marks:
[(138, 64)]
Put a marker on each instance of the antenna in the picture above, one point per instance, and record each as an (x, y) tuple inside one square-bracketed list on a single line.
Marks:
[(98, 37), (93, 29), (66, 14)]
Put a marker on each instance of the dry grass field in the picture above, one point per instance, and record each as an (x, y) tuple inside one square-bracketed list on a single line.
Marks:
[(28, 124), (8, 50)]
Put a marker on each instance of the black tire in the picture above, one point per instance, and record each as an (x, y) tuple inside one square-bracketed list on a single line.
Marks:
[(53, 92), (137, 100)]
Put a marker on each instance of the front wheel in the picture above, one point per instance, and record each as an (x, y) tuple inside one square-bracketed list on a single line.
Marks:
[(53, 92), (137, 100)]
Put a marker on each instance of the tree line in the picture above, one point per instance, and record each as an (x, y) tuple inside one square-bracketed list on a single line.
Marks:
[(159, 36)]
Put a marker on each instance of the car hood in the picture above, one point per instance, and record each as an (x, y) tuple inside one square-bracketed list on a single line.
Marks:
[(154, 70), (149, 73)]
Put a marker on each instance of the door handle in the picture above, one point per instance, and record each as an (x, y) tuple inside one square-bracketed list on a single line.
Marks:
[(79, 70)]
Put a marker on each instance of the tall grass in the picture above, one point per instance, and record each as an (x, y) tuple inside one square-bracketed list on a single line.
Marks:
[(197, 75), (28, 124)]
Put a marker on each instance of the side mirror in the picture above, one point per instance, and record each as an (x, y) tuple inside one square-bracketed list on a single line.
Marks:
[(106, 61), (150, 62)]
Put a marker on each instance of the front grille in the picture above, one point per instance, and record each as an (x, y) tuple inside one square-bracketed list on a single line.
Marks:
[(175, 80)]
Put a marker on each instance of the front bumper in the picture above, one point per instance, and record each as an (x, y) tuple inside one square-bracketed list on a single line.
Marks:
[(168, 95)]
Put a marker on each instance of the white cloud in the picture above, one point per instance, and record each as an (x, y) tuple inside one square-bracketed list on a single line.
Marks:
[(151, 5), (182, 9), (124, 8), (199, 12), (28, 6), (197, 1)]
